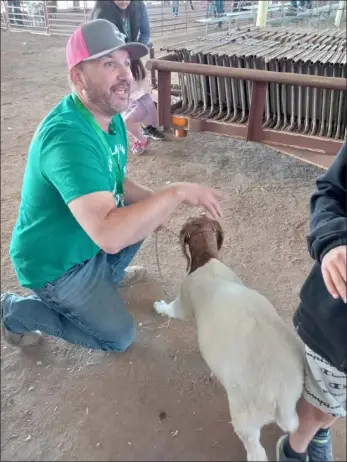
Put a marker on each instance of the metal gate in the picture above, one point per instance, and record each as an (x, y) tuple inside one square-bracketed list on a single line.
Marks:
[(62, 17)]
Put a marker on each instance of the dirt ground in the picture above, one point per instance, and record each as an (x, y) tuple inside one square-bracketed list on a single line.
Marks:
[(157, 401)]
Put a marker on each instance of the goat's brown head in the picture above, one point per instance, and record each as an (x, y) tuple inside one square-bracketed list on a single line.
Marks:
[(204, 237)]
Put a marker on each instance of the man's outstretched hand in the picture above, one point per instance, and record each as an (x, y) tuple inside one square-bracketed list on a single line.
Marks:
[(196, 195), (334, 272)]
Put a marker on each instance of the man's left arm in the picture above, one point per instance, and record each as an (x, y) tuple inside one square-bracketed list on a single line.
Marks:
[(134, 192)]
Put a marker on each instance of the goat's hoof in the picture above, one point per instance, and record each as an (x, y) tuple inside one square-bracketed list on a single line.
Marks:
[(160, 307)]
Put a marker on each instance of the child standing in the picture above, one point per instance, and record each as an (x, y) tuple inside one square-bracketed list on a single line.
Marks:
[(141, 110), (321, 322), (131, 19)]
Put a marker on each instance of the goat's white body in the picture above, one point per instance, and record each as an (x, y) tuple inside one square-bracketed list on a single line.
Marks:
[(258, 359)]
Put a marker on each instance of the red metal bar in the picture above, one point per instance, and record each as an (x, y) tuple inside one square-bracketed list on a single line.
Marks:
[(205, 125), (317, 143), (164, 103), (313, 149), (329, 83), (256, 112), (312, 157)]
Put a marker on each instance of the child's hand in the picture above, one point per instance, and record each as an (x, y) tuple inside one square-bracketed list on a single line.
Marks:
[(334, 272)]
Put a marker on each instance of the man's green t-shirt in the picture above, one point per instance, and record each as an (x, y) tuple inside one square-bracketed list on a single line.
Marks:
[(67, 159)]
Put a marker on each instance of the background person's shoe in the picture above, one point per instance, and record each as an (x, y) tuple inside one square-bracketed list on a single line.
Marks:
[(320, 449), (133, 275), (153, 133), (26, 340)]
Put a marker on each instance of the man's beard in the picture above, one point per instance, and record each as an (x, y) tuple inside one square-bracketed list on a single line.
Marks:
[(104, 100)]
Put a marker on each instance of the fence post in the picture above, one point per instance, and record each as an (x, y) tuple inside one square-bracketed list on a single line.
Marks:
[(85, 7), (256, 112), (339, 13), (164, 98), (6, 15), (45, 13), (262, 13), (153, 75)]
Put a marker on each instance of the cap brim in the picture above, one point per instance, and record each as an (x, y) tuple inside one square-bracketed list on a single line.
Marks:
[(135, 50)]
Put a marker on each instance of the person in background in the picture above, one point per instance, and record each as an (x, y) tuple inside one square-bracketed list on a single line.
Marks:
[(220, 7), (216, 9), (321, 322), (131, 19), (303, 4), (175, 7), (141, 110), (211, 8)]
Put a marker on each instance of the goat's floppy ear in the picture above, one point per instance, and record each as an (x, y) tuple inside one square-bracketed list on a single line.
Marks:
[(184, 235), (220, 234)]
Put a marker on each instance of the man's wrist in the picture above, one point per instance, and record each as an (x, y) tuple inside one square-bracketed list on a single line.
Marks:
[(178, 191)]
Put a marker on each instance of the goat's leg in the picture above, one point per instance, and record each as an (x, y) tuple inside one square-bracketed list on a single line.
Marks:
[(287, 418), (173, 309), (251, 440), (248, 430)]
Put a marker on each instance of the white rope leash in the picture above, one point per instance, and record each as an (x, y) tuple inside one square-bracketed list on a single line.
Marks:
[(163, 284)]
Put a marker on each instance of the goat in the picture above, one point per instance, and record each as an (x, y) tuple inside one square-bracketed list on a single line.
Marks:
[(257, 358)]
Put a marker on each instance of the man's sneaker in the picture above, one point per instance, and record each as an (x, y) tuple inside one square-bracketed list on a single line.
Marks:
[(26, 340), (320, 448), (281, 456), (153, 133), (133, 275), (140, 148)]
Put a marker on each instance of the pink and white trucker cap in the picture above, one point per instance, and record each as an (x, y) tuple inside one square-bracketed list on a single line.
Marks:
[(97, 38)]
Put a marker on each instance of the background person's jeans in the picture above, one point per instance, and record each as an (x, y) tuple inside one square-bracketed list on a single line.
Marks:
[(220, 6), (175, 7), (82, 307), (294, 3)]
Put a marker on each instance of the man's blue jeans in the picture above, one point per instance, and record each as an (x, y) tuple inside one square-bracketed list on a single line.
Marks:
[(82, 307)]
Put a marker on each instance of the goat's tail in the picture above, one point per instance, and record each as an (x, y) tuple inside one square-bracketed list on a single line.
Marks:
[(287, 419)]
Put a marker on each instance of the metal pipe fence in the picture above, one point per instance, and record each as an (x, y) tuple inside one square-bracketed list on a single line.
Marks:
[(62, 17), (203, 108), (166, 17)]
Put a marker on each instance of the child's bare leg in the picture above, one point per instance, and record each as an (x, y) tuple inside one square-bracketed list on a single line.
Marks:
[(133, 127), (311, 419)]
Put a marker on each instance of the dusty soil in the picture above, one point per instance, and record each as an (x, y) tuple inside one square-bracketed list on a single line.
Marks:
[(157, 400)]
